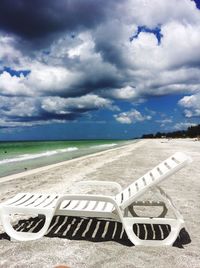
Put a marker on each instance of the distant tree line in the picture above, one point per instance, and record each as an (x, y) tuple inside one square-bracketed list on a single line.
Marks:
[(191, 132)]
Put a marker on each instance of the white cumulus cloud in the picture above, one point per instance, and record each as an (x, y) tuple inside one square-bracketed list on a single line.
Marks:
[(131, 116), (191, 105), (65, 105), (183, 125)]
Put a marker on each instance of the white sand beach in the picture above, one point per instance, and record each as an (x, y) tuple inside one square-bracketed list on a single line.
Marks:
[(123, 165)]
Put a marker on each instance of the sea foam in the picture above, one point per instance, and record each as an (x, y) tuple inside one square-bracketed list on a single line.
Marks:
[(104, 145), (25, 157)]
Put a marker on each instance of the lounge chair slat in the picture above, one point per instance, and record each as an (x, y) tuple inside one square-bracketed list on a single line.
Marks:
[(137, 186), (163, 169), (159, 170), (32, 200), (101, 206), (133, 189), (38, 200), (155, 173), (75, 206), (95, 203), (41, 200), (72, 204), (15, 199), (167, 165), (64, 204), (126, 193), (171, 163), (47, 201), (91, 205), (144, 181), (67, 204), (95, 206), (109, 207), (129, 191), (82, 205), (175, 159), (105, 207), (85, 205), (52, 203), (23, 200), (148, 179)]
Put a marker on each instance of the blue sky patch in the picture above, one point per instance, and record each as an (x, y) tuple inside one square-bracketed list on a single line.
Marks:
[(16, 72), (156, 31)]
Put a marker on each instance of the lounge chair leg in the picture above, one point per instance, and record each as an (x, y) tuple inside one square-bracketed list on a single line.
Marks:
[(175, 224), (5, 217), (148, 204), (161, 193), (126, 212)]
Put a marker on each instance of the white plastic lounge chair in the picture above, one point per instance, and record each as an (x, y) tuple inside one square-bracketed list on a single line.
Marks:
[(117, 207)]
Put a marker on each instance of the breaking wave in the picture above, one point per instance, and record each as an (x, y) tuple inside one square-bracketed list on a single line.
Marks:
[(25, 157), (104, 145)]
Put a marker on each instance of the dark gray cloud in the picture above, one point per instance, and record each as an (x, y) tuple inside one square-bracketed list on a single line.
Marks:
[(45, 116), (36, 19)]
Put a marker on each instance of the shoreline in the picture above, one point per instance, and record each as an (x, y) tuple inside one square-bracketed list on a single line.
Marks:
[(51, 166)]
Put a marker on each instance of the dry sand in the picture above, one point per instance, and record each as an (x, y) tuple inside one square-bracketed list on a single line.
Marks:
[(122, 165)]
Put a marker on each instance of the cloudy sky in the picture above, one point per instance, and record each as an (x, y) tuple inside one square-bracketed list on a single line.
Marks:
[(72, 69)]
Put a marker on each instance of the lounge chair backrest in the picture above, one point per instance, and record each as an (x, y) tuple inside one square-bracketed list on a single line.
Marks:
[(153, 177)]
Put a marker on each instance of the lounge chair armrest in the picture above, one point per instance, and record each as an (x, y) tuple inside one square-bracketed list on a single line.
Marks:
[(102, 183)]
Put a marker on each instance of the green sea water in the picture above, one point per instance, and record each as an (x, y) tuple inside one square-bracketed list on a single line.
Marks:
[(16, 157)]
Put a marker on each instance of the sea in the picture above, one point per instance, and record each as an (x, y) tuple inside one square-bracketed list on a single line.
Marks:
[(19, 156)]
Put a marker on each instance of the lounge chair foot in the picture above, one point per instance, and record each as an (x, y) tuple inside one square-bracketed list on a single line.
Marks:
[(5, 217), (175, 226)]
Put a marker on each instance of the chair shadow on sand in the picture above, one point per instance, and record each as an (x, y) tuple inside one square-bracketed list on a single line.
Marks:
[(97, 230)]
